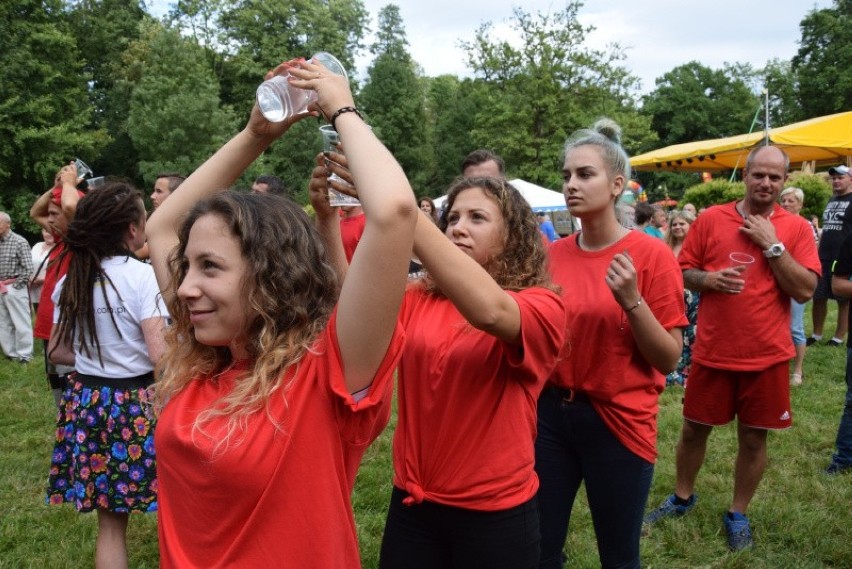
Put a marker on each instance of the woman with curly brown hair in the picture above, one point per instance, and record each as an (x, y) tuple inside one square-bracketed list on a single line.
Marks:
[(484, 328), (276, 379)]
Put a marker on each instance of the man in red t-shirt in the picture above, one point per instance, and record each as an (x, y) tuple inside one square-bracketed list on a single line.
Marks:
[(53, 210), (743, 347)]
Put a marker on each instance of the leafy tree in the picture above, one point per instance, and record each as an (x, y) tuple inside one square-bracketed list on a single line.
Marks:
[(260, 34), (822, 62), (394, 99), (103, 30), (44, 107), (694, 102), (243, 39), (175, 119), (535, 94), (451, 105), (780, 81)]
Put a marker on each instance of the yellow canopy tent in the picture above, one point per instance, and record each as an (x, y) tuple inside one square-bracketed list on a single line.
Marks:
[(825, 140)]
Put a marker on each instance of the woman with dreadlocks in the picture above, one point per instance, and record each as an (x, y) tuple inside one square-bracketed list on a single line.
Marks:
[(109, 322)]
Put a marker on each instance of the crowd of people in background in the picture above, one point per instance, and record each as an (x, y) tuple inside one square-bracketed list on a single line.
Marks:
[(226, 360)]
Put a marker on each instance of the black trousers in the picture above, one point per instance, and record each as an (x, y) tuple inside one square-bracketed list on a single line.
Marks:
[(434, 536)]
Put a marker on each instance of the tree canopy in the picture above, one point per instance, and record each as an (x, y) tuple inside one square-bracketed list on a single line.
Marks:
[(133, 95)]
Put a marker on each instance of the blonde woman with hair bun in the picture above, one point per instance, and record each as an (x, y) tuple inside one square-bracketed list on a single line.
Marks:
[(597, 417)]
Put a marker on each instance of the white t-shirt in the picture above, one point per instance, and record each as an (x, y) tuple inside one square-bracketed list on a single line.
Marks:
[(39, 253), (138, 298)]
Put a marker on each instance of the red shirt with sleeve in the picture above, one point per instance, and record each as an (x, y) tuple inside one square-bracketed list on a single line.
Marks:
[(277, 496), (748, 331), (53, 273), (467, 402), (351, 229), (601, 358)]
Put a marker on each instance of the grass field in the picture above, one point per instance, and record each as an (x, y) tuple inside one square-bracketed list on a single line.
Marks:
[(801, 518)]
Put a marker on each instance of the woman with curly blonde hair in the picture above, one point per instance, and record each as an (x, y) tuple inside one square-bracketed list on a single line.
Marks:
[(276, 379)]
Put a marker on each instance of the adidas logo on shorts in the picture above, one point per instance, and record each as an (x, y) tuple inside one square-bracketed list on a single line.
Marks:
[(785, 416)]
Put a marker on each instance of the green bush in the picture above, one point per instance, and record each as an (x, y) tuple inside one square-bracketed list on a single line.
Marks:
[(714, 192)]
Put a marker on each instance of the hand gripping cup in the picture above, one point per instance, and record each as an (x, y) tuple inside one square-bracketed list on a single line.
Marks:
[(278, 100)]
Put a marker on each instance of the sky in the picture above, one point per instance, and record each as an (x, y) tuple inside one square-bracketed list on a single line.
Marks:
[(658, 35)]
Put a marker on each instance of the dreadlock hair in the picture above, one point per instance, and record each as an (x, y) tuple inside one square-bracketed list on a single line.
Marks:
[(523, 261), (290, 289), (98, 231)]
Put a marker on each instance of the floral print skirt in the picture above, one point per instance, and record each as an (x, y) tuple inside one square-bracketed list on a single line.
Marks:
[(103, 456), (681, 374)]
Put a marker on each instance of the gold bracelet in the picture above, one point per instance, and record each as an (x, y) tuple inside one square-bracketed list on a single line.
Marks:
[(635, 306)]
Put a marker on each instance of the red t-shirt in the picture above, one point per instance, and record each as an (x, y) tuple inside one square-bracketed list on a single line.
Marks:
[(351, 229), (53, 273), (281, 497), (749, 331), (467, 402), (601, 358)]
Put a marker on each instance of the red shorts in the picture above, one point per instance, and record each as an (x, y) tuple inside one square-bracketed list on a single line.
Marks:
[(759, 399)]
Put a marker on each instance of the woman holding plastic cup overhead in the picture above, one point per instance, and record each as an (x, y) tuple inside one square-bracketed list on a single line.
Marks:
[(275, 380), (484, 330)]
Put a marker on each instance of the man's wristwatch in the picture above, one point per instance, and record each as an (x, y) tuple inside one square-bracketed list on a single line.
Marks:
[(775, 250)]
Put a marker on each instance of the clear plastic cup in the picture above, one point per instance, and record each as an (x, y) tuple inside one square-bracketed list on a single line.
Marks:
[(330, 140), (743, 260), (95, 183), (82, 170), (278, 100)]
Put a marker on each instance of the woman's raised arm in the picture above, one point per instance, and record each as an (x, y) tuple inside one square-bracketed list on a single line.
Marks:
[(215, 175), (375, 281)]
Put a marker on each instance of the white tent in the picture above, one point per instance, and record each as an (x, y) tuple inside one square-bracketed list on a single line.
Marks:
[(540, 199)]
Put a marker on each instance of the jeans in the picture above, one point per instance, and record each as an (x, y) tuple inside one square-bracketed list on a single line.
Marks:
[(797, 323), (434, 536), (573, 446), (843, 455)]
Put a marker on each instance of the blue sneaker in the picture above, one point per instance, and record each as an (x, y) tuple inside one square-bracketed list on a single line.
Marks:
[(738, 530), (669, 509)]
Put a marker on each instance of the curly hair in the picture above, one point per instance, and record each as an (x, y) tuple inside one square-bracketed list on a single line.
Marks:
[(290, 290), (97, 231), (523, 261)]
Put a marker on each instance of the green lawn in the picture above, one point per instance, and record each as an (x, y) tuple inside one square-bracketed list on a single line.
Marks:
[(800, 517)]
